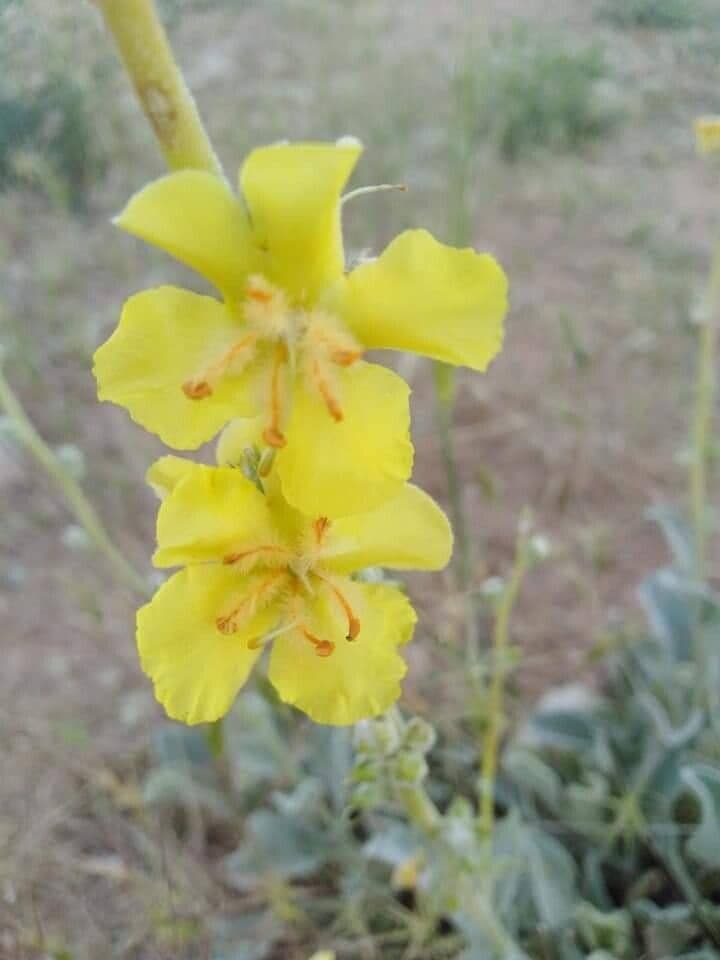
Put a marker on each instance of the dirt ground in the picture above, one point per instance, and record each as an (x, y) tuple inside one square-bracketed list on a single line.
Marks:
[(609, 242)]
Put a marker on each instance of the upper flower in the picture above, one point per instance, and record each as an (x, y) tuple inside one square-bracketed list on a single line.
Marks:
[(288, 337), (257, 571)]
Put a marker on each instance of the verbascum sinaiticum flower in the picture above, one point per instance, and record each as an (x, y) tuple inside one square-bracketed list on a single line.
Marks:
[(287, 338), (258, 573)]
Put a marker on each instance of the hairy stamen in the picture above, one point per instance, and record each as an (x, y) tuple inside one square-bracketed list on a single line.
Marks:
[(229, 623), (272, 434), (201, 386), (353, 621), (331, 401)]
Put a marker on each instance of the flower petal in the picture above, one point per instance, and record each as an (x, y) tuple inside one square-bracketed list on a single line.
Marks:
[(332, 469), (197, 670), (196, 218), (409, 532), (293, 192), (165, 474), (360, 678), (428, 298), (165, 337), (211, 513)]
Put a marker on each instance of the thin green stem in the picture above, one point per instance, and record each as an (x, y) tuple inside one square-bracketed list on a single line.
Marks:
[(496, 696), (159, 84), (78, 502), (703, 414)]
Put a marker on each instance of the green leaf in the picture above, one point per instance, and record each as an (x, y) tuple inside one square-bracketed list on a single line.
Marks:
[(611, 931), (257, 753), (677, 533), (533, 776), (703, 844), (175, 745), (666, 930), (250, 936)]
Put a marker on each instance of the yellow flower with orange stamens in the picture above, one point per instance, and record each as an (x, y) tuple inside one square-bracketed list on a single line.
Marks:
[(256, 572), (288, 337)]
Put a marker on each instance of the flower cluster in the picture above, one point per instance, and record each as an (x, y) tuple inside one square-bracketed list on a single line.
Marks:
[(314, 456)]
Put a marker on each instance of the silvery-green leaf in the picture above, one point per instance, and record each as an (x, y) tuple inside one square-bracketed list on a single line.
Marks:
[(255, 749), (175, 745), (250, 936), (677, 533), (533, 775), (666, 930), (393, 844), (704, 842)]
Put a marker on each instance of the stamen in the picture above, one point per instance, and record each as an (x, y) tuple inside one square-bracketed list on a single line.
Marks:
[(228, 623), (272, 434), (323, 648), (197, 388), (231, 558), (353, 621), (320, 526), (331, 401), (345, 358)]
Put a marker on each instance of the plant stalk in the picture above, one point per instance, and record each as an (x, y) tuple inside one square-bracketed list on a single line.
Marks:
[(164, 96), (78, 502), (703, 414), (496, 696)]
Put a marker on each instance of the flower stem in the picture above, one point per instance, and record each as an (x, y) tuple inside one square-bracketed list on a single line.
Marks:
[(80, 505), (703, 413), (496, 695), (159, 84)]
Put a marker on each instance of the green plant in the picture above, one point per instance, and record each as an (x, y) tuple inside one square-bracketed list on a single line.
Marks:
[(533, 92), (660, 14)]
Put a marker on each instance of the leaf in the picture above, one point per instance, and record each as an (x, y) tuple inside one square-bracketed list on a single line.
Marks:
[(393, 845), (247, 937), (666, 930), (533, 776), (257, 753), (605, 931), (175, 745), (674, 606), (277, 845), (677, 533), (543, 867), (174, 788), (703, 844)]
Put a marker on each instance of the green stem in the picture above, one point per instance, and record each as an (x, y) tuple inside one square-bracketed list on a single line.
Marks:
[(496, 696), (80, 505), (159, 84), (703, 413)]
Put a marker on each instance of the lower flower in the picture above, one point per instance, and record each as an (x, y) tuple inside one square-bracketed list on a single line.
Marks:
[(257, 573)]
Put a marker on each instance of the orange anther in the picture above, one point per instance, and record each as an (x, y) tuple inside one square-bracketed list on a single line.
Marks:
[(345, 358), (320, 526), (226, 625), (260, 295), (274, 437), (323, 648), (353, 628), (196, 389)]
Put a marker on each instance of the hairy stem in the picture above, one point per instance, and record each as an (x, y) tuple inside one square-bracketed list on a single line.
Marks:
[(78, 502), (159, 84), (703, 413), (496, 696)]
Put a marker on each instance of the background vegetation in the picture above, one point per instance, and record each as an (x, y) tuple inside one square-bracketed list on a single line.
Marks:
[(557, 135)]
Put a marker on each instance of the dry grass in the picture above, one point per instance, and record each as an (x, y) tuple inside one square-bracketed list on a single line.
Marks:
[(580, 418)]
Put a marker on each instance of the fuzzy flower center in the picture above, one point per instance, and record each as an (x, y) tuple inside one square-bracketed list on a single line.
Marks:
[(290, 577), (286, 343)]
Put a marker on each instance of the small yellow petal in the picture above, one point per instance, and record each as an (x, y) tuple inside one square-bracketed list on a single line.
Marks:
[(707, 134), (166, 336), (330, 468), (361, 677), (197, 670), (427, 298), (165, 474), (196, 218), (213, 513), (408, 532), (293, 193)]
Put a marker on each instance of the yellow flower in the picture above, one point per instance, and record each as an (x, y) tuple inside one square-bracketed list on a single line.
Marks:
[(287, 339), (258, 572)]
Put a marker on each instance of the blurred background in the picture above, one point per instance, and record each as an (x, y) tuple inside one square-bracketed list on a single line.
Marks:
[(556, 134)]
